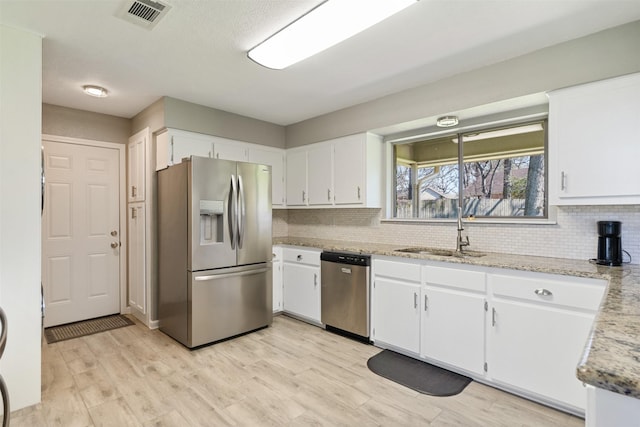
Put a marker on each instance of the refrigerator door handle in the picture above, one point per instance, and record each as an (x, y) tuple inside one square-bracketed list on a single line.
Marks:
[(222, 276), (242, 212), (233, 212)]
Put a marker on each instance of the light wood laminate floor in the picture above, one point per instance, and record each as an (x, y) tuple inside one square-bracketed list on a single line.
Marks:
[(290, 374)]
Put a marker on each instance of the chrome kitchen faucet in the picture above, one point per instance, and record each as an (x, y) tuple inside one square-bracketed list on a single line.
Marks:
[(461, 241)]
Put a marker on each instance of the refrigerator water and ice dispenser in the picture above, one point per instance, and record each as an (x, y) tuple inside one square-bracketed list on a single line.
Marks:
[(211, 221)]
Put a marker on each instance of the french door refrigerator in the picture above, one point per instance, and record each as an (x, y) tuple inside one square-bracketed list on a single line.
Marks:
[(214, 249)]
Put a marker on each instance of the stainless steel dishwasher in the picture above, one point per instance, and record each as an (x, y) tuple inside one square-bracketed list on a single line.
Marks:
[(345, 292)]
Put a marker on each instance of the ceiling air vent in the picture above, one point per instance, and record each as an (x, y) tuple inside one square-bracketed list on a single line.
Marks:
[(145, 13)]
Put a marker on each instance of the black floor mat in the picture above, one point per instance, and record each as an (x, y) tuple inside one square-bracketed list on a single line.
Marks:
[(417, 375), (85, 327)]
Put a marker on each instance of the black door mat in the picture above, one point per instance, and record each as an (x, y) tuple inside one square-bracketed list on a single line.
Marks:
[(85, 327), (417, 375)]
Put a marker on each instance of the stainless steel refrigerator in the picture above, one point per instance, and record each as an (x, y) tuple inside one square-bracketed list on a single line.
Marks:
[(214, 249)]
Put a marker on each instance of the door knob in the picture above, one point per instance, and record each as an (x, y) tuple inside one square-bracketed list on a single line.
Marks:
[(114, 245)]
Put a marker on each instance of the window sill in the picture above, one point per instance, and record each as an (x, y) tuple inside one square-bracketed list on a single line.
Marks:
[(510, 221)]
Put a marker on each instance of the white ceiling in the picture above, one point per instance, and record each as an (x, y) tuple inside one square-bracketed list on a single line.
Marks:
[(197, 53)]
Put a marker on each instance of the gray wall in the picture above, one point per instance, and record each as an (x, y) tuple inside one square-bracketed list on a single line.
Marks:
[(151, 117), (598, 56), (63, 121), (197, 118)]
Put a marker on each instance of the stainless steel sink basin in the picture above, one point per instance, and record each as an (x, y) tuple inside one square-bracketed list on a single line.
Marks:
[(441, 252)]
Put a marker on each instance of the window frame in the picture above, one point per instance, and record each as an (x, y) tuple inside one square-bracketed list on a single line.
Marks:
[(549, 210)]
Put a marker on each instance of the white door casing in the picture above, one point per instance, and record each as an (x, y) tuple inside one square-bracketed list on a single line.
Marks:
[(83, 261)]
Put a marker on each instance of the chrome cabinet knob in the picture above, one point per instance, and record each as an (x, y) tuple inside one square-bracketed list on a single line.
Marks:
[(114, 245)]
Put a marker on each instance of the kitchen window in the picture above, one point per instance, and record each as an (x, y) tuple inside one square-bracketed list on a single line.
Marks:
[(496, 172)]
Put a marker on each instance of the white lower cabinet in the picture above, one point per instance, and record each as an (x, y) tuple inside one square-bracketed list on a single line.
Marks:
[(301, 283), (521, 331), (453, 318), (136, 257), (395, 305), (538, 330), (277, 279)]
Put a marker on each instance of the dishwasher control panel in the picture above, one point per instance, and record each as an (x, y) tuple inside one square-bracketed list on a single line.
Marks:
[(346, 258)]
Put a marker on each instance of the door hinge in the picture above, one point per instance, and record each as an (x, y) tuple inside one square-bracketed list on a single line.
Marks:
[(486, 367)]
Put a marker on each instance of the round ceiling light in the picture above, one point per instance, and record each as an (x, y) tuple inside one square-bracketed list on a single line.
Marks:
[(447, 121), (97, 91)]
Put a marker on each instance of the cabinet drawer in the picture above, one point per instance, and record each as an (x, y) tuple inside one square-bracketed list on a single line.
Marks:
[(397, 270), (301, 256), (584, 294), (452, 277)]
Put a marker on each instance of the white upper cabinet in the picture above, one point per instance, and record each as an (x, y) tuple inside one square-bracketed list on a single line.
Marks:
[(350, 166), (273, 157), (594, 143), (227, 149), (173, 145), (320, 181), (342, 172), (296, 177), (136, 166)]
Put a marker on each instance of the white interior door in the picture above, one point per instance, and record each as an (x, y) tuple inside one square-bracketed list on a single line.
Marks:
[(80, 232)]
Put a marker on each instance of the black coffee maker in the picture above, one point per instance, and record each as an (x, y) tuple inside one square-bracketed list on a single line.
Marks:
[(609, 243)]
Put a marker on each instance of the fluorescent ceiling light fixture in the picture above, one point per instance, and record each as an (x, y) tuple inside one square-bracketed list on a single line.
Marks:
[(447, 121), (96, 91), (328, 24)]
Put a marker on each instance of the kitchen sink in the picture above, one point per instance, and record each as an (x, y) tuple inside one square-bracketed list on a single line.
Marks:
[(441, 252)]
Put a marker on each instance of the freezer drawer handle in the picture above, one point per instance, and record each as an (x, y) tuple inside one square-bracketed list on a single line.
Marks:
[(345, 270), (225, 275)]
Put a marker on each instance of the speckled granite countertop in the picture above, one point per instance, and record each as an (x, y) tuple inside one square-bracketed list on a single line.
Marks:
[(611, 359)]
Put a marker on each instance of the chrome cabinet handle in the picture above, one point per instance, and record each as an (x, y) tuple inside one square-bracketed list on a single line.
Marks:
[(415, 300), (133, 213), (543, 292), (315, 280), (304, 196), (563, 182), (328, 194), (426, 303), (493, 316), (134, 190), (358, 192)]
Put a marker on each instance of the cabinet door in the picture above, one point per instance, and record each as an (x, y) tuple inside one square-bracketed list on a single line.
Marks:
[(319, 178), (136, 257), (396, 314), (136, 166), (537, 348), (302, 290), (297, 178), (183, 146), (593, 156), (277, 286), (453, 328), (230, 151), (275, 159), (349, 170)]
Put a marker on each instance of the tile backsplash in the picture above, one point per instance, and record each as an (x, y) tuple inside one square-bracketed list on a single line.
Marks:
[(573, 236)]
